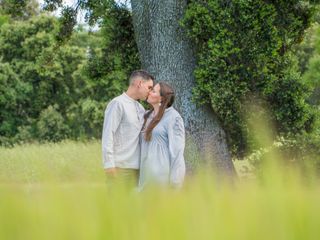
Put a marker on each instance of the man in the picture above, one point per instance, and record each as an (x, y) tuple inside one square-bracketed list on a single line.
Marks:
[(123, 120)]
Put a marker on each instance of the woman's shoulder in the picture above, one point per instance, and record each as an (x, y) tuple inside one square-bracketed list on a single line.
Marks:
[(175, 122), (173, 114)]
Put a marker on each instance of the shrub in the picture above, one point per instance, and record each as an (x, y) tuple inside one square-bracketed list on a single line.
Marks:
[(51, 125)]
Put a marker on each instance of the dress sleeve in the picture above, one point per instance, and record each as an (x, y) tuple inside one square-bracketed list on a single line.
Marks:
[(112, 119), (176, 136)]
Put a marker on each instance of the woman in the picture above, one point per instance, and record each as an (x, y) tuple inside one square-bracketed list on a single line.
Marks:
[(162, 141)]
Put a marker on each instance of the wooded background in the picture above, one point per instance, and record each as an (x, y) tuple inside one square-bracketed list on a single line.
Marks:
[(225, 59)]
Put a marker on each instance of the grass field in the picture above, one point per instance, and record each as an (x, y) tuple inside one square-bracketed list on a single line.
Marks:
[(58, 191)]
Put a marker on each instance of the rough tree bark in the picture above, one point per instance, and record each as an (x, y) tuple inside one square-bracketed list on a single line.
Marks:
[(166, 52)]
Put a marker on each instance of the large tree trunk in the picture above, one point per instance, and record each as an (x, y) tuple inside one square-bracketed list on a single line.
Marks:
[(166, 52)]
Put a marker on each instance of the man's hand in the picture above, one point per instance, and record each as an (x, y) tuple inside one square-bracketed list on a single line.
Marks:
[(111, 171)]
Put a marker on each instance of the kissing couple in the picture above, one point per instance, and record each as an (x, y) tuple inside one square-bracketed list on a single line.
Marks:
[(142, 148)]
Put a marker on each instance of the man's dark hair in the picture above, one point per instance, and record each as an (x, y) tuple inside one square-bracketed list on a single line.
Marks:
[(140, 73)]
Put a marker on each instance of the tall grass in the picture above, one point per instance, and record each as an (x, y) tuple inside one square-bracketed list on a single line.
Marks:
[(58, 191), (64, 162)]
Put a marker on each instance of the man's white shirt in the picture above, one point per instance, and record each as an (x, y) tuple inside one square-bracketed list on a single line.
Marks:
[(123, 120)]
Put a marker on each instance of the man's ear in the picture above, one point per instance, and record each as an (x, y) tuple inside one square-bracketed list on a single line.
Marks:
[(139, 84)]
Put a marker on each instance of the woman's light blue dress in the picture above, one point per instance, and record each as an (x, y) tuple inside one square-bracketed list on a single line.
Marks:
[(162, 161)]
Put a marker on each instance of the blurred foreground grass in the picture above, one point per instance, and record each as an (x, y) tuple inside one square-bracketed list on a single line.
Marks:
[(58, 191)]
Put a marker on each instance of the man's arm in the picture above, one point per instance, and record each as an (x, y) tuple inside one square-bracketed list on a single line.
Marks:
[(112, 119)]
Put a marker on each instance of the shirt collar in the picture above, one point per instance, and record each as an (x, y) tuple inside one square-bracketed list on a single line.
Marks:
[(129, 98)]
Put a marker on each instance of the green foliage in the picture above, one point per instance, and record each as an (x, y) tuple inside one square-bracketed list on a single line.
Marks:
[(13, 95), (110, 65), (85, 118), (67, 21), (3, 19), (115, 57), (312, 78), (306, 49), (300, 151), (287, 97), (244, 54), (19, 9), (51, 125), (111, 56), (35, 75), (56, 85), (303, 149), (311, 74)]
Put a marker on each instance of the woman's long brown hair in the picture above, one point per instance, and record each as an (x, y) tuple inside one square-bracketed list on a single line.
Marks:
[(167, 94)]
